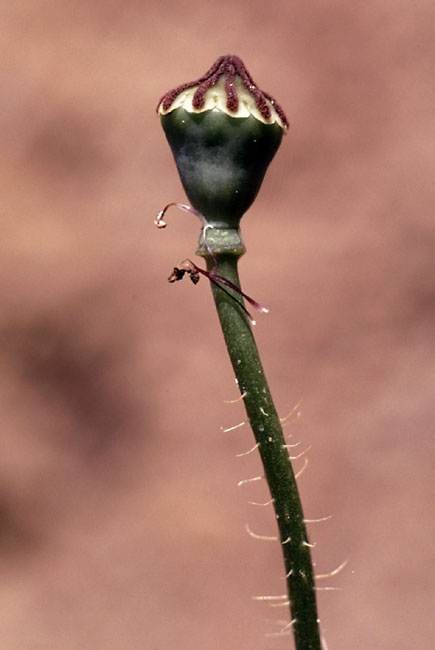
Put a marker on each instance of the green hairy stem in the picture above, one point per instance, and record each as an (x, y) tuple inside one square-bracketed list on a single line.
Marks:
[(268, 433), (224, 131)]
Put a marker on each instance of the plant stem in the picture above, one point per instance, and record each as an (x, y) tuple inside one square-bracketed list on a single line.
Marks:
[(278, 470)]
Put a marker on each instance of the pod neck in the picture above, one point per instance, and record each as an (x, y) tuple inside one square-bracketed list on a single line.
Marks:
[(218, 240)]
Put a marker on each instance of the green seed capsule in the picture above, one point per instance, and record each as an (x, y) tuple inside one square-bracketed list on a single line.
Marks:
[(223, 132)]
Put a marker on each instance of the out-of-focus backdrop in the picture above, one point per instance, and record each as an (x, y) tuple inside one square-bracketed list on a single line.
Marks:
[(121, 524)]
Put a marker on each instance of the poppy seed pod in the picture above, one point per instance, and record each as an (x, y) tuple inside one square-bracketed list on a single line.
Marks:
[(223, 132)]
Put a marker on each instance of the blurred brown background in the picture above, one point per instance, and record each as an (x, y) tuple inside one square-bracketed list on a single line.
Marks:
[(121, 525)]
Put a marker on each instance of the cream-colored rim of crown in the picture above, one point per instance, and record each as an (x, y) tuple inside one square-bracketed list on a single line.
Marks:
[(216, 98)]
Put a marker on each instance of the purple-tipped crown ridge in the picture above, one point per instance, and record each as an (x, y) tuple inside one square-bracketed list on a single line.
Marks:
[(229, 66)]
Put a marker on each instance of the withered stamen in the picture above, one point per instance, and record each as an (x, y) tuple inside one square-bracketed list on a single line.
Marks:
[(194, 272)]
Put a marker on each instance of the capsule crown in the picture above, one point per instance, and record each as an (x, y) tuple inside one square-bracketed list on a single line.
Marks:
[(228, 87)]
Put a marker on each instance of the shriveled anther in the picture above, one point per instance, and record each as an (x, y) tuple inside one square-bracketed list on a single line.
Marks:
[(229, 67), (177, 274), (185, 267)]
